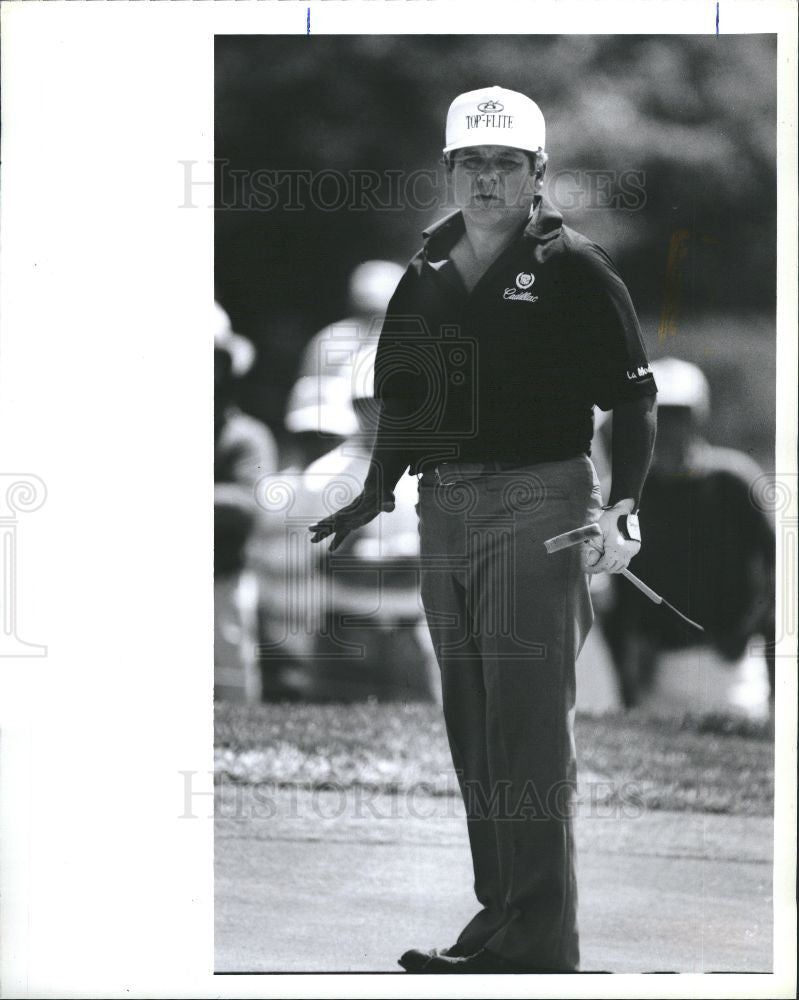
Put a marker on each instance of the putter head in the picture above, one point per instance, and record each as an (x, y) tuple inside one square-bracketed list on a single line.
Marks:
[(573, 537)]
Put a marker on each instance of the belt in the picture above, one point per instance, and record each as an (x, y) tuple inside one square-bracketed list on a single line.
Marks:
[(446, 473)]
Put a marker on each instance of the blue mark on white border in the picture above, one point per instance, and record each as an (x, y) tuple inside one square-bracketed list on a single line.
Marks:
[(717, 16), (308, 21)]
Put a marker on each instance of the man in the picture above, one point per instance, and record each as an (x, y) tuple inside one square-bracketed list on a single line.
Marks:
[(244, 451), (713, 553), (505, 330)]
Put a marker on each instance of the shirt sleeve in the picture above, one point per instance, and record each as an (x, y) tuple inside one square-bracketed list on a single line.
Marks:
[(617, 368)]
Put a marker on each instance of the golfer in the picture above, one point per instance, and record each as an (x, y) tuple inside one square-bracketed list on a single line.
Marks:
[(504, 333)]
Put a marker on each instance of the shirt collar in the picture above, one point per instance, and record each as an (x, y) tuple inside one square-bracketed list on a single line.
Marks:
[(544, 224)]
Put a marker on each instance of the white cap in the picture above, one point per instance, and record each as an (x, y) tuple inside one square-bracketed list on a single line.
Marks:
[(321, 398), (494, 116), (322, 404), (681, 383), (372, 284)]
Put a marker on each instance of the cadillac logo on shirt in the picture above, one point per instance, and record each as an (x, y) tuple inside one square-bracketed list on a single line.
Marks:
[(524, 279), (524, 282)]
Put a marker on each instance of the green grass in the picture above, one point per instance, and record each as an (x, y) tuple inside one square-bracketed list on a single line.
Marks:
[(711, 764)]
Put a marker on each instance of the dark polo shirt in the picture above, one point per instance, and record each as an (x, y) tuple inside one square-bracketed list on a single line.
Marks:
[(511, 371)]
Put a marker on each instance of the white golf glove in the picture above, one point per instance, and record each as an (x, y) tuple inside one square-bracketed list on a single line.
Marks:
[(621, 540)]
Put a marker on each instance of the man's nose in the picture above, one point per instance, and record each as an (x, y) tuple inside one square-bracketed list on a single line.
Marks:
[(488, 175)]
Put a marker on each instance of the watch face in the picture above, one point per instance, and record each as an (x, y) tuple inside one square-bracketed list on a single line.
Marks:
[(630, 527)]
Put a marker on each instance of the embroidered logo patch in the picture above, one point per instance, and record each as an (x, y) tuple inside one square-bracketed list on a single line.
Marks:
[(639, 372), (490, 106), (524, 282)]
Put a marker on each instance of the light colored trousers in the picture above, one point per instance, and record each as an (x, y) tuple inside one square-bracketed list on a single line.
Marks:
[(507, 622)]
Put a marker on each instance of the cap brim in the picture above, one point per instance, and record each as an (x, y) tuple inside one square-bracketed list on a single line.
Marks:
[(488, 142)]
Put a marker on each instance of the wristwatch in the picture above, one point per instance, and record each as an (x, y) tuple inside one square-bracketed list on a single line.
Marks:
[(628, 523)]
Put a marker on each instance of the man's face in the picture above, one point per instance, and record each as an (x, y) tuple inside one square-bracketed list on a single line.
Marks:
[(493, 185)]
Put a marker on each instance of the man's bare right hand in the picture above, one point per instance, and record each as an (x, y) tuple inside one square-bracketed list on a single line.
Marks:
[(364, 508)]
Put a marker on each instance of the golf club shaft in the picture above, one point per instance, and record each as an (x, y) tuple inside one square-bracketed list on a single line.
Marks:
[(570, 538), (657, 599), (654, 597), (647, 591)]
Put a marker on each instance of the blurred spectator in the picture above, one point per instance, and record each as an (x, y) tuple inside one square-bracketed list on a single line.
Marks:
[(709, 550), (244, 451), (350, 626), (319, 411)]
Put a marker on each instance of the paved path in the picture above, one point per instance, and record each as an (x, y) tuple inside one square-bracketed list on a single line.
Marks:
[(337, 882)]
